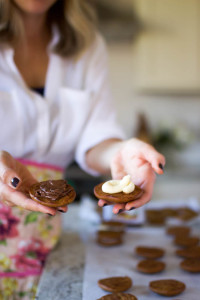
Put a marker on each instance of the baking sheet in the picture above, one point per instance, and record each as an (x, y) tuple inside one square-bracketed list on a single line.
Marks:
[(121, 261)]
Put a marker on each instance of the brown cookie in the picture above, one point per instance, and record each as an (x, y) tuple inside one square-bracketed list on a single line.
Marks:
[(149, 252), (109, 238), (118, 296), (117, 197), (167, 287), (52, 193), (170, 212), (115, 284), (178, 230), (190, 252), (113, 226), (186, 214), (155, 217), (150, 266), (186, 241), (191, 265)]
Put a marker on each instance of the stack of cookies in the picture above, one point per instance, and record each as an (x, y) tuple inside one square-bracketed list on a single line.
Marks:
[(110, 234)]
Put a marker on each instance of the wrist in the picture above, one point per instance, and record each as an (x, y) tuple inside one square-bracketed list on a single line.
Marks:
[(100, 157)]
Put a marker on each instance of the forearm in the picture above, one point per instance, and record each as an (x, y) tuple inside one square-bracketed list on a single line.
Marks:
[(99, 157)]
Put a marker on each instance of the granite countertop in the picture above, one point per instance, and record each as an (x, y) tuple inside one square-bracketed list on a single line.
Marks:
[(63, 273)]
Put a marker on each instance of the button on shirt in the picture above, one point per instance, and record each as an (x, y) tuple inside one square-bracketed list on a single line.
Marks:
[(75, 113)]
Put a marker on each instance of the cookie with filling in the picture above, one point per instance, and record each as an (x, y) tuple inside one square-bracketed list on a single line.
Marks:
[(118, 191), (52, 193)]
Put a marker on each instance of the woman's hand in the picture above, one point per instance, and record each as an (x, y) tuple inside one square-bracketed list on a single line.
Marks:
[(15, 180), (141, 161)]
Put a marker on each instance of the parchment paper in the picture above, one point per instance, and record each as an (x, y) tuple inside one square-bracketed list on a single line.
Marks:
[(104, 262)]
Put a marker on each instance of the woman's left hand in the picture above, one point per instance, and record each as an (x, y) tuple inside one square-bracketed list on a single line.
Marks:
[(141, 161)]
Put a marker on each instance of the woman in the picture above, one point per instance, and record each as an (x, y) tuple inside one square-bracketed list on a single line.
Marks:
[(55, 106)]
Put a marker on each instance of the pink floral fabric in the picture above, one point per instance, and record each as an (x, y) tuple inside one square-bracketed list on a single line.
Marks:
[(8, 223), (25, 240)]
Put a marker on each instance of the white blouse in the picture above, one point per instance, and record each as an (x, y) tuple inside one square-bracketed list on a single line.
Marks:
[(75, 114)]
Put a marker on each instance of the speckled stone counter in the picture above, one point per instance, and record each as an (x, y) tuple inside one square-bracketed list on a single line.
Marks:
[(63, 274)]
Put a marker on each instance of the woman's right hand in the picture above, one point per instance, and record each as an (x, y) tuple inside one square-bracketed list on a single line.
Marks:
[(15, 180)]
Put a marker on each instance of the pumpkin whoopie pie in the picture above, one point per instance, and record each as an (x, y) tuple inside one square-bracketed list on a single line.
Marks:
[(115, 191), (52, 193)]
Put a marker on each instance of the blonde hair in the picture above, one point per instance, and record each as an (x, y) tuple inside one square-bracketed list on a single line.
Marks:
[(75, 20)]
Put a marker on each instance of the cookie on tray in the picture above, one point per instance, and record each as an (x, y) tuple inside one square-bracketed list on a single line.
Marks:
[(186, 241), (118, 296), (187, 214), (167, 287), (191, 265), (113, 226), (155, 217), (178, 230), (150, 266), (149, 252), (115, 284), (190, 252), (109, 238)]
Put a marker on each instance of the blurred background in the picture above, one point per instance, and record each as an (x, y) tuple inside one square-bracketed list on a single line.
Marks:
[(154, 61)]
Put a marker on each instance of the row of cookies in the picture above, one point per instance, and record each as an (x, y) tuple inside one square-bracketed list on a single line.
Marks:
[(118, 285), (189, 247), (164, 287), (159, 217)]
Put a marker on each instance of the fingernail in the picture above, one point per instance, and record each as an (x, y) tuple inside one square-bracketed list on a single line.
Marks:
[(61, 211), (120, 210), (105, 205), (15, 182), (161, 166), (132, 208)]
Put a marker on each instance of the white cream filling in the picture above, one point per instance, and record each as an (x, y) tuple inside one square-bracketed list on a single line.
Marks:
[(116, 186)]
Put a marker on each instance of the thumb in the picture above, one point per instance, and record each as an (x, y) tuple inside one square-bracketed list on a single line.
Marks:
[(7, 173)]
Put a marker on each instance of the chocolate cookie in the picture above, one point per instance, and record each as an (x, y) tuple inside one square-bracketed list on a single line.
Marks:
[(170, 212), (115, 284), (191, 252), (52, 193), (167, 287), (118, 296), (149, 252), (150, 266), (109, 238), (191, 265), (113, 226), (178, 230), (117, 197), (186, 214), (186, 241), (155, 216)]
